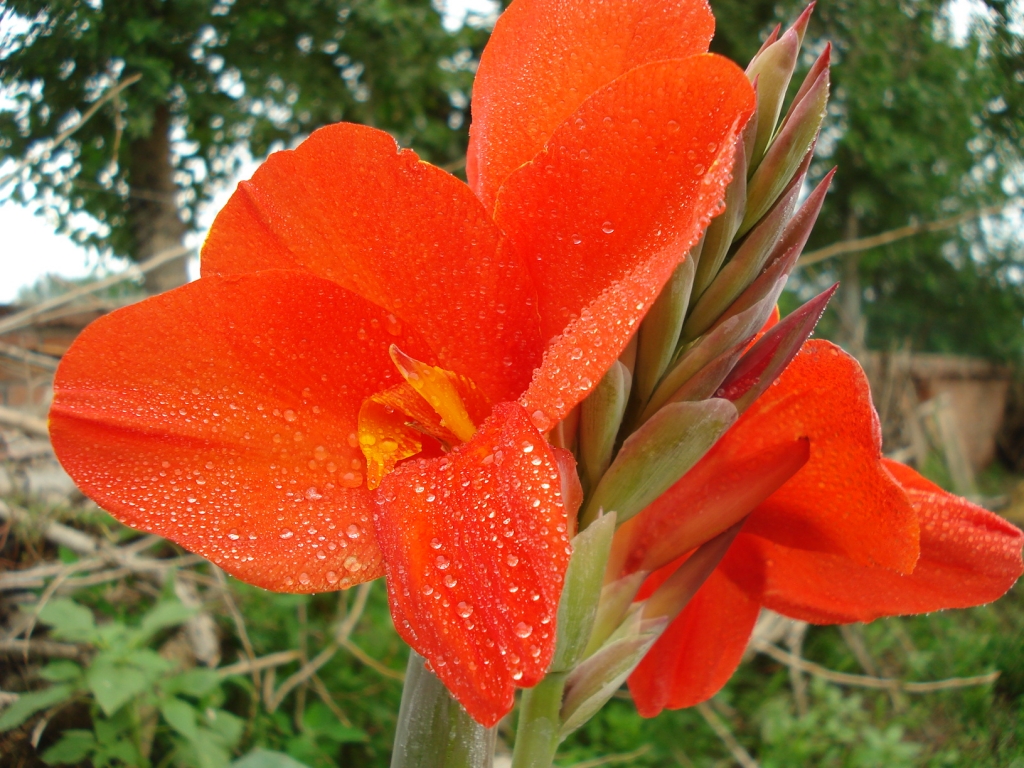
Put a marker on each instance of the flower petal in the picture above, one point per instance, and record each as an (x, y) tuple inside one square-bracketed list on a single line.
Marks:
[(348, 205), (612, 205), (718, 492), (222, 415), (545, 57), (969, 556), (843, 501), (476, 547), (698, 652)]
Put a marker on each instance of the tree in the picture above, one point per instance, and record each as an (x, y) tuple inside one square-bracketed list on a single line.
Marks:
[(216, 76), (921, 127)]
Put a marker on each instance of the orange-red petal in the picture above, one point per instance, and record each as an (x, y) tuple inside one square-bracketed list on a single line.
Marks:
[(843, 501), (222, 415), (545, 57), (476, 547), (969, 556), (611, 206), (348, 205), (723, 488), (698, 652)]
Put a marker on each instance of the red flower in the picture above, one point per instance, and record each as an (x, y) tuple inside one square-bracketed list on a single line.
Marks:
[(250, 416), (835, 533)]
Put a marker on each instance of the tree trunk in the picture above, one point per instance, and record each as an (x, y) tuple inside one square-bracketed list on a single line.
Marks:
[(153, 209)]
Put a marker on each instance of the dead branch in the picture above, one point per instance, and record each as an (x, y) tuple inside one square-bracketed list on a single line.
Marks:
[(43, 648), (35, 359), (865, 681), (859, 244), (624, 757), (66, 134), (740, 755), (28, 315), (269, 661), (23, 421), (371, 662)]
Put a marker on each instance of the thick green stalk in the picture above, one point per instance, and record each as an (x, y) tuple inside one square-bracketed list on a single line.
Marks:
[(538, 734), (434, 730)]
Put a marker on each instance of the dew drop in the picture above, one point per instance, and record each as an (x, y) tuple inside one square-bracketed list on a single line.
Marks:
[(450, 581), (353, 531), (332, 577), (442, 562), (351, 479), (303, 578), (233, 534), (289, 415), (512, 560), (607, 227), (286, 534), (465, 610), (523, 630), (540, 420), (435, 543)]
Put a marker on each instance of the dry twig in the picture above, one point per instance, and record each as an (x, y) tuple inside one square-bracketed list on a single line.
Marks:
[(740, 755), (623, 757), (28, 315), (66, 134), (857, 245), (865, 681), (9, 417)]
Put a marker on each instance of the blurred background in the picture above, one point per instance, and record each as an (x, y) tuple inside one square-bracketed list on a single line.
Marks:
[(125, 125)]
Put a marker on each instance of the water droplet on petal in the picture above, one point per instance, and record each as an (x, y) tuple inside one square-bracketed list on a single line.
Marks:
[(465, 610), (523, 630)]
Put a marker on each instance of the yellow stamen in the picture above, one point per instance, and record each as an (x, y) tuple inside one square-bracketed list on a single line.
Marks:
[(434, 385)]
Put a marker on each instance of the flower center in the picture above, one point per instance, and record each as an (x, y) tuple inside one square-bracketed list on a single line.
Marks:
[(432, 410)]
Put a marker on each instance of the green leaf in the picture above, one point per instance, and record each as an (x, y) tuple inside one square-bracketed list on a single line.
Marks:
[(164, 615), (70, 621), (74, 746), (113, 685), (180, 716), (659, 453), (323, 723), (30, 703), (194, 683), (225, 725), (61, 671), (264, 758)]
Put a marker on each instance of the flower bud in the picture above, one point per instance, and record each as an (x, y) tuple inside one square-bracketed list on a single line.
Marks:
[(659, 333), (787, 152), (657, 455), (600, 417), (577, 607), (767, 359)]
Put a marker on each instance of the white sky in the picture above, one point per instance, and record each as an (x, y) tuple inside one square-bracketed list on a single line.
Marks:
[(30, 248)]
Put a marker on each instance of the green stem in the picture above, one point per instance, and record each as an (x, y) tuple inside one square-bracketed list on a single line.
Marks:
[(537, 737), (434, 730)]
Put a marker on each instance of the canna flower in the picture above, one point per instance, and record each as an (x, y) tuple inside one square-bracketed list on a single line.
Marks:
[(833, 532), (363, 380)]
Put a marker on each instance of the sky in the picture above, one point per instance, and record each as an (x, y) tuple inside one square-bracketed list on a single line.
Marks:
[(30, 248)]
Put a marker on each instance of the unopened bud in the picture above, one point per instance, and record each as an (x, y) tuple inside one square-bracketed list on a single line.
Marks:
[(658, 454)]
